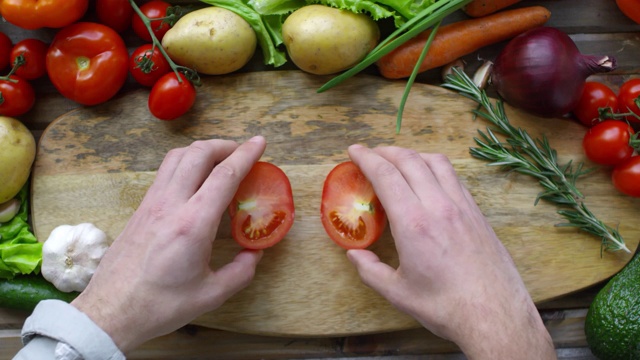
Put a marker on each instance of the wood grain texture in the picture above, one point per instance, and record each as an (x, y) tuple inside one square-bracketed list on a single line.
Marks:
[(94, 164)]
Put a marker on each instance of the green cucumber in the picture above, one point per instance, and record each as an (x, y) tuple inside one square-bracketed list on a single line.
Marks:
[(25, 292)]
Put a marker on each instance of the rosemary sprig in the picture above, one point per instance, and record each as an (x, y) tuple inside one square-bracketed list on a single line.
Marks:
[(534, 157)]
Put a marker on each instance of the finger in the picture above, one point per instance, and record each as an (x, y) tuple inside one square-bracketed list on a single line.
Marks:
[(167, 168), (196, 164), (446, 176), (392, 189), (231, 278), (215, 194), (374, 273)]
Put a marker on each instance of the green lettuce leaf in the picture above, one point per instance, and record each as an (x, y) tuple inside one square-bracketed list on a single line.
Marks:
[(20, 251)]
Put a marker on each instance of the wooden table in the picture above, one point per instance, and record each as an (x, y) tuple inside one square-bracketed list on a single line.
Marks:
[(596, 26)]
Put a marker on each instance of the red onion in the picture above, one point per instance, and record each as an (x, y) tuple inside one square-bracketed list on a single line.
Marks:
[(543, 72)]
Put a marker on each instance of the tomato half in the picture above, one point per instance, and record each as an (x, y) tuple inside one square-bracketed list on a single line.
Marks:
[(147, 65), (169, 98), (631, 8), (350, 211), (607, 143), (34, 54), (154, 9), (116, 14), (43, 13), (626, 177), (5, 50), (629, 99), (16, 96), (88, 62), (595, 96), (262, 210)]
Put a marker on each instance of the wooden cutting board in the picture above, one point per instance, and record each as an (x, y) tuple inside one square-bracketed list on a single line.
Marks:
[(95, 164)]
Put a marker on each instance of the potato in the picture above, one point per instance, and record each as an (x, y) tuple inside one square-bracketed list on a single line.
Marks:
[(17, 152), (211, 40), (323, 40)]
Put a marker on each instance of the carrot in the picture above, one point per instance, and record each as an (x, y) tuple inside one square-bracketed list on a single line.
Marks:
[(457, 39), (478, 8)]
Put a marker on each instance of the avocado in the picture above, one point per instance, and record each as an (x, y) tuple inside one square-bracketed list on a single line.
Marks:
[(612, 325)]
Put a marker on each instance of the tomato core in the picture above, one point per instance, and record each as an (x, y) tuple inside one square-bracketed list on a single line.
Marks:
[(83, 62)]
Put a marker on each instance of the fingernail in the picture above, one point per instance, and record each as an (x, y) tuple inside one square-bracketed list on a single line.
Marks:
[(356, 146), (257, 138)]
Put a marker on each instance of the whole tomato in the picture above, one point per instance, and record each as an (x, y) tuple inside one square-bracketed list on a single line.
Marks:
[(154, 9), (607, 143), (147, 65), (595, 96), (629, 99), (170, 98), (34, 55), (33, 15), (631, 8), (88, 62), (116, 14), (5, 50), (626, 177), (16, 96)]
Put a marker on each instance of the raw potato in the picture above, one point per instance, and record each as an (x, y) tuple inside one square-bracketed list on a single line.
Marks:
[(17, 152), (323, 40), (212, 41)]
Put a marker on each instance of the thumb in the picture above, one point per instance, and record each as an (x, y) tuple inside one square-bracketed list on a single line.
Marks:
[(373, 272)]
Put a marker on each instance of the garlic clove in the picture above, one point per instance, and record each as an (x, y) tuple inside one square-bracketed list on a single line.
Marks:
[(8, 210)]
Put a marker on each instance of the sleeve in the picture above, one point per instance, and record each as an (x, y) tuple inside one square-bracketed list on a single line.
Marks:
[(57, 330)]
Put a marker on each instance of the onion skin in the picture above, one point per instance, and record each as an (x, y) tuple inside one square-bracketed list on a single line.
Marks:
[(542, 72)]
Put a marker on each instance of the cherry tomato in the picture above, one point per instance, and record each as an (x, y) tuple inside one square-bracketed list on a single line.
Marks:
[(595, 95), (16, 96), (88, 62), (154, 9), (351, 213), (626, 177), (170, 98), (116, 14), (629, 99), (5, 50), (631, 8), (607, 143), (34, 53), (43, 13), (148, 57), (262, 210)]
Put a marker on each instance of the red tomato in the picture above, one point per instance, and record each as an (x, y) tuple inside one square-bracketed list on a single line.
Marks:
[(595, 96), (629, 99), (34, 53), (631, 8), (170, 98), (351, 213), (626, 177), (17, 96), (43, 13), (5, 50), (88, 62), (262, 210), (148, 58), (154, 9), (116, 14), (607, 143)]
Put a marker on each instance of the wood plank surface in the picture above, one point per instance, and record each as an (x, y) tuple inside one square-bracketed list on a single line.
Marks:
[(94, 164)]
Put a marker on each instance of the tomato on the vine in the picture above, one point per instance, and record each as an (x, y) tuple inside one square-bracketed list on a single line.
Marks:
[(147, 65), (16, 96), (262, 210), (629, 99), (171, 98), (33, 15), (5, 50), (594, 96), (631, 8), (154, 9), (607, 143), (88, 62), (626, 177), (116, 14), (34, 55), (351, 213)]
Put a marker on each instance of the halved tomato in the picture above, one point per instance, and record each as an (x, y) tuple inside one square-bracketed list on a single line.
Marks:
[(351, 213), (262, 209)]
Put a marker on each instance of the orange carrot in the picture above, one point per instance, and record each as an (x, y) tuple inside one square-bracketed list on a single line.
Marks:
[(478, 8), (455, 40)]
